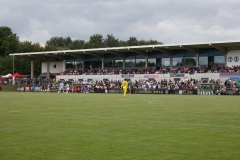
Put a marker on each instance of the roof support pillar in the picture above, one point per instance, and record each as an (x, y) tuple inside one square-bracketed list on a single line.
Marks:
[(32, 69), (171, 60), (197, 59), (124, 60), (146, 63), (102, 62), (48, 69), (226, 61), (64, 65), (83, 64)]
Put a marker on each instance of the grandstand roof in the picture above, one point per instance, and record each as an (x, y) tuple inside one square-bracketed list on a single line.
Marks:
[(143, 50)]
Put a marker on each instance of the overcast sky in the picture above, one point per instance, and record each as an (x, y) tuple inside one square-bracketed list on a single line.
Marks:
[(168, 21)]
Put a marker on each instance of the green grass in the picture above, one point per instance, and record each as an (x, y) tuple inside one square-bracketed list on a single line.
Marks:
[(51, 126)]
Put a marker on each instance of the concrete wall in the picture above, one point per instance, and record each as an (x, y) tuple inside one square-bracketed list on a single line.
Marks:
[(157, 77), (60, 66)]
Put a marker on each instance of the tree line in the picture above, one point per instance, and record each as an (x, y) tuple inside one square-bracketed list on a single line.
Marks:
[(10, 43)]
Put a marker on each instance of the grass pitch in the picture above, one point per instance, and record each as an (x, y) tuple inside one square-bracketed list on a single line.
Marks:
[(55, 126)]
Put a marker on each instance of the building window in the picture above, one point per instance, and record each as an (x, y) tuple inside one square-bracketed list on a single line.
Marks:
[(165, 62), (73, 63), (152, 62), (236, 59), (229, 59), (211, 57), (219, 60), (178, 62), (203, 61), (184, 58), (130, 60), (140, 61)]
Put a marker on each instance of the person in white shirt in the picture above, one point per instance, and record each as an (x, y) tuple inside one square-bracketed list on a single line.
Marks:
[(60, 88), (67, 87)]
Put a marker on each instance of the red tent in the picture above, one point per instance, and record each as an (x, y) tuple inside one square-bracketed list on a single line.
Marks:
[(16, 75)]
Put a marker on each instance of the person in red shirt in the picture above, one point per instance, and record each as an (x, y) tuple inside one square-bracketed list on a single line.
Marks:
[(29, 88)]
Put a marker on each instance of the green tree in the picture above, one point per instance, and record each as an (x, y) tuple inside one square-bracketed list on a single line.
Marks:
[(8, 44), (96, 41), (24, 66), (77, 44), (50, 48), (8, 41), (111, 41), (132, 41), (62, 43), (123, 43), (28, 46)]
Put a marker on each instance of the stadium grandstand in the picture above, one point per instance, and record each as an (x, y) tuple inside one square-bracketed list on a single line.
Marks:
[(148, 61)]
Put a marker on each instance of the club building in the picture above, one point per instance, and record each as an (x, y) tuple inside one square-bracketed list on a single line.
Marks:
[(147, 56)]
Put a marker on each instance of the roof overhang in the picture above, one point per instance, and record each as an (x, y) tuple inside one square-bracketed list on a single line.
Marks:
[(120, 51)]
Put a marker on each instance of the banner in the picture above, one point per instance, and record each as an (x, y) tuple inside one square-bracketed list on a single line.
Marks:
[(150, 76), (127, 75), (228, 75), (176, 74)]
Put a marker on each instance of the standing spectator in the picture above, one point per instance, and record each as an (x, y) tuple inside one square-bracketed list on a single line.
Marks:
[(29, 89), (24, 87)]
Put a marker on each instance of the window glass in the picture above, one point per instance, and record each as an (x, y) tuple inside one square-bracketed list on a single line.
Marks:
[(203, 53), (189, 54), (203, 61), (152, 55), (165, 56), (130, 56), (108, 63), (165, 62), (151, 62), (129, 63), (108, 57), (73, 63), (140, 62), (118, 63), (219, 60), (178, 62), (218, 53), (69, 65), (96, 64), (190, 61)]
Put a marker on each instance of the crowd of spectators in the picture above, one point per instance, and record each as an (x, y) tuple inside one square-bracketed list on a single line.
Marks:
[(208, 86), (151, 70), (186, 86), (166, 86)]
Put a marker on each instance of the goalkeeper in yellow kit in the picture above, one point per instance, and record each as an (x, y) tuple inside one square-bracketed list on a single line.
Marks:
[(124, 86)]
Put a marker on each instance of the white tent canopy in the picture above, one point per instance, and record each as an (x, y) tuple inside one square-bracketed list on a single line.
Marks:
[(7, 76)]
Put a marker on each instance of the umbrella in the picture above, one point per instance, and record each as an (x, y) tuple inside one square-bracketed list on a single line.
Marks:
[(7, 76), (16, 75)]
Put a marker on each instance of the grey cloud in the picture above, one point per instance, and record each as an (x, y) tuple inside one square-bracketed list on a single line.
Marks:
[(168, 21)]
